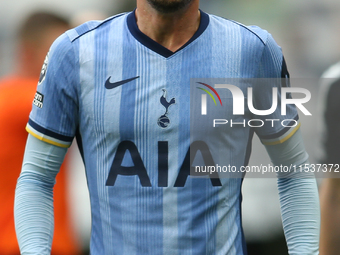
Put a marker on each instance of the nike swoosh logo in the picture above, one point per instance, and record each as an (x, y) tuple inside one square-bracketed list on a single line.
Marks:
[(110, 85)]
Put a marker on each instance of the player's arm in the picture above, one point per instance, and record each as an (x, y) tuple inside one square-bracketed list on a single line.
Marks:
[(299, 198), (52, 126), (298, 192), (33, 208)]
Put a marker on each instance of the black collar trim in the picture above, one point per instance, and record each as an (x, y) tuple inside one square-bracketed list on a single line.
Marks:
[(156, 47)]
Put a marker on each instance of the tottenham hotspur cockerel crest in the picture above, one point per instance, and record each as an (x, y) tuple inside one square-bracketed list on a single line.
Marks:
[(164, 121)]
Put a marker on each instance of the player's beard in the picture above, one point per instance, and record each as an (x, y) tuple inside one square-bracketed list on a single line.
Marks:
[(169, 6)]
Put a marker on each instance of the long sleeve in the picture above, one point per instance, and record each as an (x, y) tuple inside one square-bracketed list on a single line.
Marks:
[(33, 208), (299, 198)]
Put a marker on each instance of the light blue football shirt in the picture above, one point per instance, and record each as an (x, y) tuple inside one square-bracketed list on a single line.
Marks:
[(127, 100)]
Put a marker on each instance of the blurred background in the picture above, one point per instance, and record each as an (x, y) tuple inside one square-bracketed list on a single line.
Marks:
[(307, 31)]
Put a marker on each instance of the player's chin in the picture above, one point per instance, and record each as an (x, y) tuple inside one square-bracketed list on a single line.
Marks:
[(169, 6)]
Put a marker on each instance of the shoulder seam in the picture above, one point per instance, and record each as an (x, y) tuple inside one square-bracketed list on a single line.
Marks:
[(74, 35), (245, 27), (250, 30)]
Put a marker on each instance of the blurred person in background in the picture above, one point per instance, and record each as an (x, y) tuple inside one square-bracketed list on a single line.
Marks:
[(35, 36), (330, 186)]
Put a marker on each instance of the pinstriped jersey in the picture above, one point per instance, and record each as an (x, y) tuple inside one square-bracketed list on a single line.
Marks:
[(127, 100)]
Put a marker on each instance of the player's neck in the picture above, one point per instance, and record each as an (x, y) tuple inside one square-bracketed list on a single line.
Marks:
[(170, 30)]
